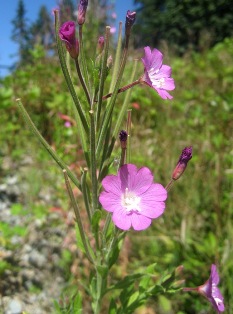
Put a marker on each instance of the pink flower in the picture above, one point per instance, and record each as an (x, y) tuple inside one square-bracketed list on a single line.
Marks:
[(210, 290), (67, 34), (132, 197), (114, 15), (67, 124), (112, 30), (156, 74)]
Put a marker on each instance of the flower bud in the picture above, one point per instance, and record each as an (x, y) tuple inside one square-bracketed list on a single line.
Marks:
[(100, 45), (182, 163), (123, 138), (109, 62), (130, 19), (67, 34), (82, 8)]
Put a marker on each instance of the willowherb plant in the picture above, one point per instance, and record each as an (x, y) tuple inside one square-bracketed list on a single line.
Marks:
[(130, 197)]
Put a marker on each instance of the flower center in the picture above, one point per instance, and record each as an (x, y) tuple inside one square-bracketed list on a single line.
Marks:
[(159, 83), (130, 201)]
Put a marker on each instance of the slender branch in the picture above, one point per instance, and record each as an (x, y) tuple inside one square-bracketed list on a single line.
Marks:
[(78, 216), (122, 89), (49, 149), (82, 81)]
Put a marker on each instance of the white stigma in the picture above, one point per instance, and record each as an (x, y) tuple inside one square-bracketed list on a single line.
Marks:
[(130, 201), (159, 83)]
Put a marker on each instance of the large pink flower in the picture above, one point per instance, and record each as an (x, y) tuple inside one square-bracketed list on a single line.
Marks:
[(132, 197), (210, 290), (156, 74)]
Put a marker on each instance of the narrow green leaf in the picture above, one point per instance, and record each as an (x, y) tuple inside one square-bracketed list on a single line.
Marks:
[(49, 149)]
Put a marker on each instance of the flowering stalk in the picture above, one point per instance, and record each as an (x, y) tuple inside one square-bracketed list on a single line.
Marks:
[(103, 74), (128, 128), (110, 105), (78, 219), (85, 194), (82, 81), (68, 80), (82, 8), (123, 89), (182, 163)]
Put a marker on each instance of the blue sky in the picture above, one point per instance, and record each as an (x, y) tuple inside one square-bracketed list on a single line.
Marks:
[(8, 49)]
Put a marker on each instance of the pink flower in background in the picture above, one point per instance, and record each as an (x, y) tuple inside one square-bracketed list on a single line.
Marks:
[(114, 15), (210, 290), (156, 74), (113, 30), (132, 197), (67, 124)]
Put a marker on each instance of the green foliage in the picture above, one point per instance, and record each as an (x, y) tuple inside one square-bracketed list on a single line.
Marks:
[(196, 229), (184, 24)]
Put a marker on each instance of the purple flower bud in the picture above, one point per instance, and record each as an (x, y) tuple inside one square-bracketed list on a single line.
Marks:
[(67, 34), (182, 163), (82, 8), (100, 45), (130, 19), (123, 138)]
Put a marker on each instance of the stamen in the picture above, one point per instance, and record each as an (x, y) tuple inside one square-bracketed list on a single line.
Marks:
[(130, 201)]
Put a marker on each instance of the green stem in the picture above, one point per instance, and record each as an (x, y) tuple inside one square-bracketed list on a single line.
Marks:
[(82, 81), (82, 55), (128, 130), (103, 73), (78, 218), (106, 225), (85, 193), (169, 185), (93, 161), (35, 131), (101, 283), (107, 117)]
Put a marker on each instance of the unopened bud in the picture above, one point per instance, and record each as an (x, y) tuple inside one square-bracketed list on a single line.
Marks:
[(109, 62), (82, 8), (179, 270), (182, 163), (100, 45), (130, 19), (123, 138), (67, 35)]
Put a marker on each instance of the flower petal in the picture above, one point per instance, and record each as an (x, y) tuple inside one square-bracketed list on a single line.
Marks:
[(142, 181), (163, 93), (147, 58), (126, 175), (140, 222), (121, 219), (112, 184), (157, 59), (214, 274), (164, 71), (109, 201)]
